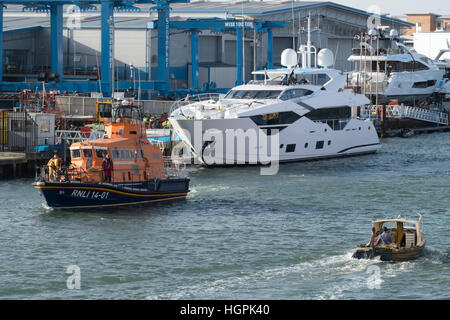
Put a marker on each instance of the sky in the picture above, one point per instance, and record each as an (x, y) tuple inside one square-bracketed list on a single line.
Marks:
[(400, 7)]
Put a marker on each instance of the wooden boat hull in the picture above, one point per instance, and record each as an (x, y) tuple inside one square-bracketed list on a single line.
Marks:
[(74, 195), (389, 254)]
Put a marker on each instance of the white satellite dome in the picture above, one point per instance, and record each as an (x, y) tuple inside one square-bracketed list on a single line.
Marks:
[(289, 58), (325, 58), (372, 32), (393, 33)]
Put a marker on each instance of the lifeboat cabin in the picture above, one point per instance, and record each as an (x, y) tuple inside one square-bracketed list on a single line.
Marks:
[(122, 168)]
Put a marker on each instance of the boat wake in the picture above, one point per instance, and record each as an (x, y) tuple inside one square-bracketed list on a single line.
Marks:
[(435, 256), (304, 271), (329, 277)]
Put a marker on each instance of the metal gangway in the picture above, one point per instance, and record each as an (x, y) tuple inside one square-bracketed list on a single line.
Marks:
[(402, 111), (427, 115), (71, 136)]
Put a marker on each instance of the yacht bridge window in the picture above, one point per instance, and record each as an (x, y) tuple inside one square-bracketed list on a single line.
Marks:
[(393, 66), (336, 117), (287, 117), (253, 94), (295, 93), (424, 84)]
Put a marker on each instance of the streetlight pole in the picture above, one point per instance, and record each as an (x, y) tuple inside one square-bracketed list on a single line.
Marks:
[(111, 23)]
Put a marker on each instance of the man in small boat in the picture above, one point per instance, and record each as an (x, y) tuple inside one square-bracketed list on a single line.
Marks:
[(107, 166), (303, 81), (54, 165), (385, 237), (373, 238)]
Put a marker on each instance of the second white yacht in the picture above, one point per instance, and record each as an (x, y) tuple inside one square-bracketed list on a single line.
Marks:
[(387, 71)]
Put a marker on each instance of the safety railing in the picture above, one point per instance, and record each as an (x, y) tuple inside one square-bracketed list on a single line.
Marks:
[(174, 167), (189, 99), (335, 124), (127, 178), (72, 136), (402, 111), (217, 111)]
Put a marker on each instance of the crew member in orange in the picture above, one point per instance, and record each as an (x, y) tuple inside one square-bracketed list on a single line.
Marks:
[(107, 166)]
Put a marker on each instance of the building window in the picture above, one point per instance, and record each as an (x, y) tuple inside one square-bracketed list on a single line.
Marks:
[(15, 61), (44, 125)]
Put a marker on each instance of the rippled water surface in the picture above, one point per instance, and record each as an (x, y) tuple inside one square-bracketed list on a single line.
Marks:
[(241, 235)]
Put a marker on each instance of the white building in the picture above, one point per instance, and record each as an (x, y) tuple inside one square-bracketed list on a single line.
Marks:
[(430, 43)]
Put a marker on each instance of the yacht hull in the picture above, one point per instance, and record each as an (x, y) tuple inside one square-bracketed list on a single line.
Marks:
[(301, 141)]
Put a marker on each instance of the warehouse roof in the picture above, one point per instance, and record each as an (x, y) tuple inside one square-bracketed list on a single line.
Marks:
[(14, 20)]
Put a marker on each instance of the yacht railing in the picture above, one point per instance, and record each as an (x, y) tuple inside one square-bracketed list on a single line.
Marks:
[(335, 124), (220, 109), (194, 98), (367, 85)]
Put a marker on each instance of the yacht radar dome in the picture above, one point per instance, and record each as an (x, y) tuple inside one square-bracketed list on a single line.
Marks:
[(372, 32), (325, 58), (289, 58), (393, 33)]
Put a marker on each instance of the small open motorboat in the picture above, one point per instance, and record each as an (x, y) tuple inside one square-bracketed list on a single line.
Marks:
[(137, 174), (406, 133), (403, 242)]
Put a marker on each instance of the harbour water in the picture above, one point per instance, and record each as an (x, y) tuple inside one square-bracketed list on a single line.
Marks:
[(240, 235)]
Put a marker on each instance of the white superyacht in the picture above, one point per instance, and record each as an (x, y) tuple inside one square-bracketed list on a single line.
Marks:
[(292, 114), (387, 71)]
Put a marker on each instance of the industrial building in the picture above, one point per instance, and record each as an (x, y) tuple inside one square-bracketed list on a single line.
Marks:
[(216, 27)]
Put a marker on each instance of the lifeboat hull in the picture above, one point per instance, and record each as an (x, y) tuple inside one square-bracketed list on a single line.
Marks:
[(75, 195)]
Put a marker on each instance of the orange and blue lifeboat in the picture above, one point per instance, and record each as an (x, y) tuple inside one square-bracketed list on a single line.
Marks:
[(139, 175)]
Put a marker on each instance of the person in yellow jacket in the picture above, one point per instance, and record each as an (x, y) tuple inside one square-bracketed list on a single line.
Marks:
[(166, 124), (54, 164)]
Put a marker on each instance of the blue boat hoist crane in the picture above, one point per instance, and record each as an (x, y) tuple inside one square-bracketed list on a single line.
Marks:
[(163, 25)]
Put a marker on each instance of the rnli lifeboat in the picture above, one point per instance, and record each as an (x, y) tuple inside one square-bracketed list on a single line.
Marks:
[(138, 174)]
